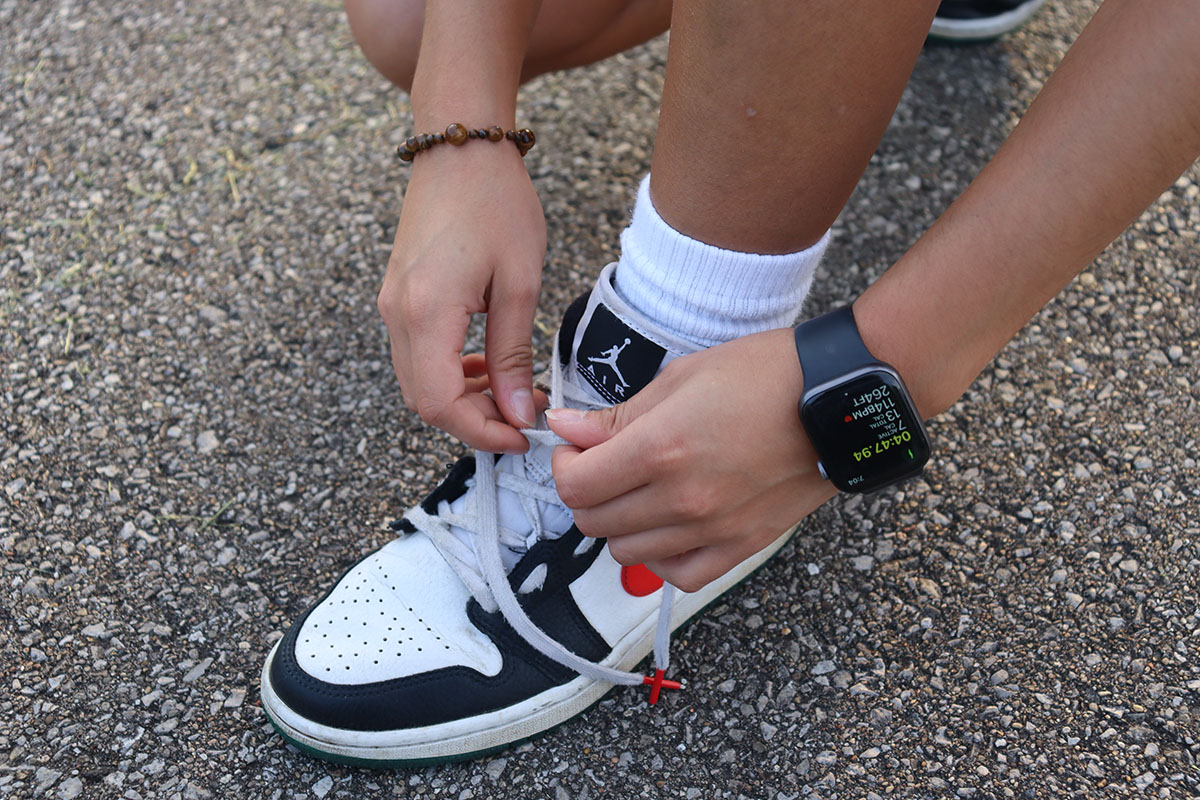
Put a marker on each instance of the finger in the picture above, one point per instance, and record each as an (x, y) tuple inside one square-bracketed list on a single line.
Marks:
[(476, 385), (584, 481), (509, 346), (541, 401), (474, 365), (584, 428), (659, 544), (475, 374), (441, 388), (486, 406), (634, 457), (727, 541), (587, 429), (646, 508), (466, 420), (695, 569), (475, 370)]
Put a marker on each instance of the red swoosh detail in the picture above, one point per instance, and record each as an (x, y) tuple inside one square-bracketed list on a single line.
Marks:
[(639, 581)]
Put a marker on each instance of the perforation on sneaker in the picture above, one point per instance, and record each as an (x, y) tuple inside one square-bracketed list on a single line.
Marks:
[(357, 636)]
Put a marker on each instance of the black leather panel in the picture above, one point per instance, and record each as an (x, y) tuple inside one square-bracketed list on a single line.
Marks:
[(458, 692)]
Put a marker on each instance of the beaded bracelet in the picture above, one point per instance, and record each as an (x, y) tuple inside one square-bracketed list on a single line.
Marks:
[(457, 134)]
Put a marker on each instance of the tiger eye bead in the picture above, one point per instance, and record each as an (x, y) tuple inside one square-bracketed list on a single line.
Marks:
[(525, 140), (456, 133)]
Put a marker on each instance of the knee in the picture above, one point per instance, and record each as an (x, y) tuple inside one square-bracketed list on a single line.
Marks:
[(389, 34)]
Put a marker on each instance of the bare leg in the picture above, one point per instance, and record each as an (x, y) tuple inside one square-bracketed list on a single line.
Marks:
[(771, 112), (568, 33)]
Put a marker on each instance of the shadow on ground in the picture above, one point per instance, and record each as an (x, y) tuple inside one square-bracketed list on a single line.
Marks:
[(201, 431)]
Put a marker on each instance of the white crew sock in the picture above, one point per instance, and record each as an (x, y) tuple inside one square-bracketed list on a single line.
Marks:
[(706, 294)]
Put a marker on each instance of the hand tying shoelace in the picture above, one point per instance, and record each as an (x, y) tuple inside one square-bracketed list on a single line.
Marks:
[(480, 564)]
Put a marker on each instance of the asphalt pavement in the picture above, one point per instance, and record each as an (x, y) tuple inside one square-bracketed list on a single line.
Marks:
[(199, 431)]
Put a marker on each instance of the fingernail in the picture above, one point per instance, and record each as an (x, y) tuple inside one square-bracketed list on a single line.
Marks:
[(565, 414), (521, 401)]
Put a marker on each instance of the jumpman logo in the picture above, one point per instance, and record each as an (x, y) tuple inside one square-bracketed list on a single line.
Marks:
[(609, 358)]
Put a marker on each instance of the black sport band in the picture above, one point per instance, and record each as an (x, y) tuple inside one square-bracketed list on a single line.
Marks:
[(858, 415), (839, 345)]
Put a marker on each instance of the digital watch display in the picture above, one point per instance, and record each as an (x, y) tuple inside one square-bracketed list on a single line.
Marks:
[(856, 409)]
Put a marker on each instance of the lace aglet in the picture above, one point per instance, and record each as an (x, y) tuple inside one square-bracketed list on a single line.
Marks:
[(657, 683)]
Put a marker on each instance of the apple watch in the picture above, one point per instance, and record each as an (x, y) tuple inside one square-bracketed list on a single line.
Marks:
[(856, 409)]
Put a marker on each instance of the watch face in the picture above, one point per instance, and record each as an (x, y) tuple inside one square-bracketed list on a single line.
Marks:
[(866, 431)]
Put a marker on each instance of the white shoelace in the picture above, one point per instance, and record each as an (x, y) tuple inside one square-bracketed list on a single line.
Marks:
[(480, 565)]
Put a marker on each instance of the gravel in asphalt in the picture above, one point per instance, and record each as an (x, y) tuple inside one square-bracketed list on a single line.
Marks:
[(200, 431)]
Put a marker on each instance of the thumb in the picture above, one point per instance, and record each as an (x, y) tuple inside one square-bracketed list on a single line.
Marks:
[(509, 352), (586, 429)]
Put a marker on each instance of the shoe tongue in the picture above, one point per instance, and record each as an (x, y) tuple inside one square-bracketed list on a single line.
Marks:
[(533, 465), (611, 350)]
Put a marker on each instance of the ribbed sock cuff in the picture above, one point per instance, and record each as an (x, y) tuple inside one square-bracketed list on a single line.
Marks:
[(706, 294)]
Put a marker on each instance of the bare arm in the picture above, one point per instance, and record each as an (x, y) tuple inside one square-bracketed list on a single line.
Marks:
[(472, 237), (1112, 128), (470, 61)]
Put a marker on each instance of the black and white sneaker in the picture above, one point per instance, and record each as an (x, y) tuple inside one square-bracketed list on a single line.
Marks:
[(491, 618), (980, 20)]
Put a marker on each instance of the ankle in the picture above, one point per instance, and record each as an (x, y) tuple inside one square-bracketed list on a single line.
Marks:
[(704, 293)]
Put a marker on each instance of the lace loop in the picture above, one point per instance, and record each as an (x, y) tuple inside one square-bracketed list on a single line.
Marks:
[(480, 565)]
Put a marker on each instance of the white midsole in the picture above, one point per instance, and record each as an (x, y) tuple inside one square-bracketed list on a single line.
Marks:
[(974, 29), (506, 725)]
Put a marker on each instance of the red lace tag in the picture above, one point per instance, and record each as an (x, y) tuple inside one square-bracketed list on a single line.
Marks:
[(658, 683)]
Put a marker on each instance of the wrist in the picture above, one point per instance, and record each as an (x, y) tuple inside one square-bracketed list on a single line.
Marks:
[(856, 409), (435, 108), (469, 163), (469, 67), (457, 134), (914, 340)]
